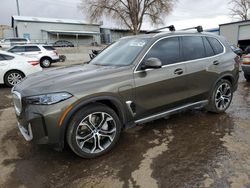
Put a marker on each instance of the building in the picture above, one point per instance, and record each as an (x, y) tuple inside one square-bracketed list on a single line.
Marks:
[(215, 31), (5, 31), (49, 30), (109, 35), (237, 33)]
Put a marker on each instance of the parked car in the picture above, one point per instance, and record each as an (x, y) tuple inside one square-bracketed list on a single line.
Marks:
[(7, 43), (63, 43), (247, 50), (135, 80), (13, 68), (237, 50), (245, 65), (46, 54)]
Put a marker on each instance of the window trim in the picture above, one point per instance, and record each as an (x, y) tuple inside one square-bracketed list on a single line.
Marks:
[(182, 62)]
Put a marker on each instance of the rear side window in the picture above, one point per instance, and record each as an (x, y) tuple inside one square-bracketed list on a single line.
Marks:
[(167, 50), (49, 48), (32, 49), (193, 48), (7, 57), (1, 57), (17, 49), (208, 48), (216, 45)]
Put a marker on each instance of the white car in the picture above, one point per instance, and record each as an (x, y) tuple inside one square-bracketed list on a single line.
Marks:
[(44, 53), (7, 43), (13, 68)]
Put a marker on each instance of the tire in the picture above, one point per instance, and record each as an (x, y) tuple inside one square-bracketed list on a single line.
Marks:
[(93, 131), (12, 78), (45, 62), (221, 97), (247, 77)]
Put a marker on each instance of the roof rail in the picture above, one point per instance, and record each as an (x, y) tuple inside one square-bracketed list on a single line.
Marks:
[(199, 28), (171, 28)]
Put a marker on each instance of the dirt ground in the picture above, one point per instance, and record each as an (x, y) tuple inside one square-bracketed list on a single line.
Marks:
[(192, 149)]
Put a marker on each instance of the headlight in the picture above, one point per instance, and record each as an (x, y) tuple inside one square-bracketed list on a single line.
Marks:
[(48, 99)]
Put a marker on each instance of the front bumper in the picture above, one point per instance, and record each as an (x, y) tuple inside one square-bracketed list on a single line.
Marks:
[(56, 60), (27, 134), (246, 69), (39, 124)]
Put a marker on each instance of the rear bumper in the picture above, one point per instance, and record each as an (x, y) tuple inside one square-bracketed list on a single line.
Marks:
[(55, 60)]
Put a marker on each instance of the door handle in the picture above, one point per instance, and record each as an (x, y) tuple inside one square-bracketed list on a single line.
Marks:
[(216, 62), (178, 71)]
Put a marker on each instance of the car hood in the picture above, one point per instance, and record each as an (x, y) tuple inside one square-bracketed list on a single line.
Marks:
[(64, 79)]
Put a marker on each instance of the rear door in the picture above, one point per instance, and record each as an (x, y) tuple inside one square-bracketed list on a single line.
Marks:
[(163, 88), (202, 60), (32, 51)]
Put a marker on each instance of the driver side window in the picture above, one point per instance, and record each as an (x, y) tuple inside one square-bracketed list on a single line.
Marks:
[(167, 50)]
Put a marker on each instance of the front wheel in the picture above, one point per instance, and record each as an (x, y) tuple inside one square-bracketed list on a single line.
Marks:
[(13, 77), (221, 97), (247, 77), (93, 131)]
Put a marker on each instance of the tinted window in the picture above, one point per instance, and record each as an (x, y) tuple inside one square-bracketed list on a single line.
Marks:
[(218, 48), (209, 50), (32, 49), (193, 48), (1, 58), (17, 49), (18, 40), (49, 48), (7, 57), (167, 50)]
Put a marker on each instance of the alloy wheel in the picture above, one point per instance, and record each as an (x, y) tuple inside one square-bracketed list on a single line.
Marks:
[(96, 132), (223, 96), (14, 78)]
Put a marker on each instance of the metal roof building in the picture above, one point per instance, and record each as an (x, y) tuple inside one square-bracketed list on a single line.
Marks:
[(49, 30), (237, 33)]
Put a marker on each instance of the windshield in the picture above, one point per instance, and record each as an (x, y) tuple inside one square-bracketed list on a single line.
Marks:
[(121, 53)]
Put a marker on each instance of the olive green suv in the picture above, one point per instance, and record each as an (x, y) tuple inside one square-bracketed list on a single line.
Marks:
[(135, 80)]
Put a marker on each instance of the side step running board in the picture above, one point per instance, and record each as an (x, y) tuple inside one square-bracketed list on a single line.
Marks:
[(199, 104)]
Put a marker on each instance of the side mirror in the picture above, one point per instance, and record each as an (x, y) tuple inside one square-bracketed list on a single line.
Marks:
[(152, 63)]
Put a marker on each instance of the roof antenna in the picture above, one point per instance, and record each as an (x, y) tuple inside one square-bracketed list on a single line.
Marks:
[(171, 28)]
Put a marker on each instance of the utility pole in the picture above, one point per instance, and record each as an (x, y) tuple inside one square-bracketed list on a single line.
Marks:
[(18, 10)]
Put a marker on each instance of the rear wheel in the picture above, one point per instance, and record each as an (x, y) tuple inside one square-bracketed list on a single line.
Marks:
[(221, 97), (247, 76), (45, 62), (13, 77), (93, 131)]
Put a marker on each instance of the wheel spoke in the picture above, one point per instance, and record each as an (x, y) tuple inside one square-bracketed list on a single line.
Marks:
[(95, 144), (99, 143), (108, 132)]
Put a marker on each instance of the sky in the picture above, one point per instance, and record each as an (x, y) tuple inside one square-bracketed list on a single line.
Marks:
[(186, 13)]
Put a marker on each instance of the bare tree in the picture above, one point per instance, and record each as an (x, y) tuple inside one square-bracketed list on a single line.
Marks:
[(131, 13), (240, 8)]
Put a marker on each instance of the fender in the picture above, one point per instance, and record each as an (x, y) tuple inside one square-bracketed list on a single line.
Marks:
[(123, 112)]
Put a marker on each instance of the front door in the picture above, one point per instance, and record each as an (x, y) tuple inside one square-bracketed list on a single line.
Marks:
[(160, 89)]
